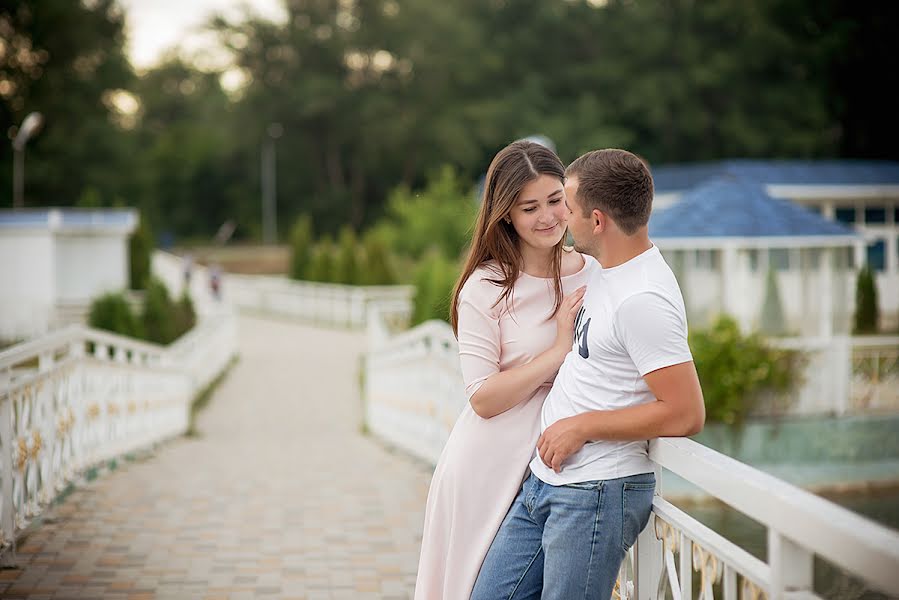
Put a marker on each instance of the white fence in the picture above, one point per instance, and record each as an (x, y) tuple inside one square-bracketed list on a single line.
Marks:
[(845, 375), (413, 395), (326, 304), (79, 396)]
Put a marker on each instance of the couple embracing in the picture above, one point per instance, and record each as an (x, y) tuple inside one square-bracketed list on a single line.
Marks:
[(572, 360)]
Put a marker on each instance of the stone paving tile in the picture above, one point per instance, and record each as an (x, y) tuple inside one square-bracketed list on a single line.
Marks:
[(279, 497)]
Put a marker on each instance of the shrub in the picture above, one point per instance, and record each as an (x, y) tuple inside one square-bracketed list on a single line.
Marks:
[(434, 280), (377, 267), (185, 315), (112, 312), (866, 311), (321, 265), (346, 263), (158, 318), (437, 218), (734, 369), (140, 249), (301, 242)]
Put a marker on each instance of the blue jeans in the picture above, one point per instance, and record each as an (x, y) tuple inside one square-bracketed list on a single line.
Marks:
[(565, 542)]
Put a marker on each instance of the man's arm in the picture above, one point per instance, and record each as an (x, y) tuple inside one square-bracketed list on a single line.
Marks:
[(679, 410)]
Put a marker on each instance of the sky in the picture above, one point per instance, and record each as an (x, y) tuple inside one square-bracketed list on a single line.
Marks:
[(155, 26)]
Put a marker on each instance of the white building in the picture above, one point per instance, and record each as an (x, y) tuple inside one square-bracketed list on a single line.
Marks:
[(862, 195), (53, 262)]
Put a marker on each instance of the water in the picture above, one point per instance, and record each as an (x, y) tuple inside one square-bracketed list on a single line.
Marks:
[(830, 582)]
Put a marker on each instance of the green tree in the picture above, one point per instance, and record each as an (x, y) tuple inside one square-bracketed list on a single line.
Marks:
[(140, 249), (66, 60), (194, 174), (439, 217), (378, 264), (321, 266), (434, 280), (866, 311), (346, 267), (301, 242)]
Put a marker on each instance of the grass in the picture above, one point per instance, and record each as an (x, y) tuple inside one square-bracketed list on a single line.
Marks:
[(204, 396)]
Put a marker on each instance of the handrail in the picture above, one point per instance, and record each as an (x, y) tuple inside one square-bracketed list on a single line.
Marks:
[(835, 533)]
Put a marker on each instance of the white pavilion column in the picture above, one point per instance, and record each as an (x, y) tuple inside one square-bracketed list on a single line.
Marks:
[(730, 284), (826, 268)]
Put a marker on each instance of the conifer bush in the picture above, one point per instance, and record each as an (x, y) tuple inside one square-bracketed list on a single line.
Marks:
[(111, 312), (866, 311)]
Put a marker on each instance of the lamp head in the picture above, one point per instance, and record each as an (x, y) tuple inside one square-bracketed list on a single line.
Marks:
[(30, 126)]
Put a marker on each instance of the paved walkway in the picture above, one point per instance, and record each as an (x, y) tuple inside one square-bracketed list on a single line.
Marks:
[(279, 497)]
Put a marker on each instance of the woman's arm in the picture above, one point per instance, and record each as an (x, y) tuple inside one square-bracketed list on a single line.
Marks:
[(501, 390)]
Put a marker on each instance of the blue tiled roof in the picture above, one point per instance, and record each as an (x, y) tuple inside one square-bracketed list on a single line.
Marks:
[(733, 207), (681, 177)]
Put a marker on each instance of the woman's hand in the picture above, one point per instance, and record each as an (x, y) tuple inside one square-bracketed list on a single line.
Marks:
[(565, 319)]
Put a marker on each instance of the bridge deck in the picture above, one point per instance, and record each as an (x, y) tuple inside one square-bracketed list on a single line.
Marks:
[(280, 496)]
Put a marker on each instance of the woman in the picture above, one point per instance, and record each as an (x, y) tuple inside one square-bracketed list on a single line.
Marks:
[(513, 312)]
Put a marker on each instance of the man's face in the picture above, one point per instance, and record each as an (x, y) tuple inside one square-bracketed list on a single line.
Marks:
[(581, 227)]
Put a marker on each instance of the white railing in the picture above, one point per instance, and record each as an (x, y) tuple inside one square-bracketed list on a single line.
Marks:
[(845, 375), (413, 389), (800, 526), (79, 396), (332, 305), (413, 395)]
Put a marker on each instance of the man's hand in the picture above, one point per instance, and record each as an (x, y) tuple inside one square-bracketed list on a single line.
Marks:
[(560, 440)]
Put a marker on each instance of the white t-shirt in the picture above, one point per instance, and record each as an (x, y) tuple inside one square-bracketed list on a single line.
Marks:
[(632, 322)]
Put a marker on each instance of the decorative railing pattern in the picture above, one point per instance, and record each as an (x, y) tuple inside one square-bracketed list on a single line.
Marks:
[(80, 396), (413, 395)]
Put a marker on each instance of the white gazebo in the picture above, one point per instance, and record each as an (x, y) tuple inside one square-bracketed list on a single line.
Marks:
[(53, 262), (771, 264)]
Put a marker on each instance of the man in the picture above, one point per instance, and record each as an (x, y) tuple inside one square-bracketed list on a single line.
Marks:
[(628, 378)]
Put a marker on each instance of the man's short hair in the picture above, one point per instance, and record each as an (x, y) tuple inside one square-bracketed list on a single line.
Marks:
[(616, 182)]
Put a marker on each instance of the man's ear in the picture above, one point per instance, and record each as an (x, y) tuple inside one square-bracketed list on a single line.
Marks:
[(599, 220)]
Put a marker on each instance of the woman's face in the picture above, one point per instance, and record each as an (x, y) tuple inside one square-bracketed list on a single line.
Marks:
[(539, 215)]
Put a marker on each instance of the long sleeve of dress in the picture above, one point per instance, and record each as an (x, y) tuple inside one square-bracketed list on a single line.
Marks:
[(479, 336)]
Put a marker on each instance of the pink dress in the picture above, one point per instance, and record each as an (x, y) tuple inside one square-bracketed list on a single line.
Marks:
[(484, 461)]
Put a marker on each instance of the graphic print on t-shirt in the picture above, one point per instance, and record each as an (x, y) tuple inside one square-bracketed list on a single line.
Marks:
[(580, 334)]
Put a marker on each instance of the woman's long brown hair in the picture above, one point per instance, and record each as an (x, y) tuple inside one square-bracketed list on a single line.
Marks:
[(512, 168)]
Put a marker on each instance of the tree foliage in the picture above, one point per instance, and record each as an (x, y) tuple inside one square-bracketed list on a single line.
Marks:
[(375, 96)]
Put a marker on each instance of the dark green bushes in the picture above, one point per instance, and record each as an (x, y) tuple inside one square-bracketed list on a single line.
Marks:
[(162, 320)]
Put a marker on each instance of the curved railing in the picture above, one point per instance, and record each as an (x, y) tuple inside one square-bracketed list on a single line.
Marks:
[(79, 396), (327, 304), (413, 394)]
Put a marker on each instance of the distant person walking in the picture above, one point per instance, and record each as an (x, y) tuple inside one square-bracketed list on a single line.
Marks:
[(215, 281), (187, 270)]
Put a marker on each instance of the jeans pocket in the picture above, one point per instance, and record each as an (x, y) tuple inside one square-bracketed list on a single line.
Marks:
[(582, 485), (636, 504)]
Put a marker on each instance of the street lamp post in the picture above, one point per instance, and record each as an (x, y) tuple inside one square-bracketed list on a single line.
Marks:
[(30, 126), (269, 212)]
